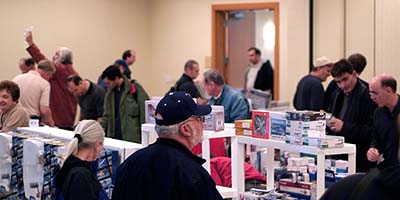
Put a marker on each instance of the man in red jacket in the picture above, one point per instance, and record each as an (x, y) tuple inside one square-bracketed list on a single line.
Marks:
[(62, 103)]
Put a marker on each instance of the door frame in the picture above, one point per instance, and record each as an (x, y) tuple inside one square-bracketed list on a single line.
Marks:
[(218, 36)]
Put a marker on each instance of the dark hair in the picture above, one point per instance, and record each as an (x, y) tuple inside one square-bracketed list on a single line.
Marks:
[(189, 64), (74, 78), (29, 62), (126, 54), (256, 50), (342, 66), (389, 82), (359, 62), (214, 76), (111, 72), (11, 88)]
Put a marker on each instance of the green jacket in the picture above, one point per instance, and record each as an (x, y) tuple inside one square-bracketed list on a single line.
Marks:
[(131, 111)]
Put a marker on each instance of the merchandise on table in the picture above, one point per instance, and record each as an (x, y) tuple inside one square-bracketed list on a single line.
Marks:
[(215, 120)]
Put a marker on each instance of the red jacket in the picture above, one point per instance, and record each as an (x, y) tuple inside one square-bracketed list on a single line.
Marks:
[(62, 102), (221, 171)]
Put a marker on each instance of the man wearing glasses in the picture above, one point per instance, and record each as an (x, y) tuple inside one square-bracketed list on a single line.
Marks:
[(167, 169)]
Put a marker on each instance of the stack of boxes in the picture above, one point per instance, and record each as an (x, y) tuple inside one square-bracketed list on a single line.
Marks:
[(243, 127), (302, 124)]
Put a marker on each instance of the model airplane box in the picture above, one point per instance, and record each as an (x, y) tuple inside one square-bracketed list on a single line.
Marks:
[(305, 123), (150, 109), (5, 164), (300, 190), (215, 120), (261, 120), (107, 165), (278, 125), (40, 163), (328, 141), (17, 183)]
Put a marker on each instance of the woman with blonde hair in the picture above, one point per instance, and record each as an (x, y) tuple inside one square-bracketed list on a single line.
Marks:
[(76, 178)]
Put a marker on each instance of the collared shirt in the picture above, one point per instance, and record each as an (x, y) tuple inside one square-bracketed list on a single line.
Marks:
[(34, 90)]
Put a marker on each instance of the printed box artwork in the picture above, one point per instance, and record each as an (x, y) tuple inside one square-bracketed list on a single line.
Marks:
[(215, 120), (261, 124), (5, 164), (278, 125), (107, 165), (150, 109)]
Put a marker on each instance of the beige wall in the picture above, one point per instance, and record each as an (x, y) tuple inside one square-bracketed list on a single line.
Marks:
[(97, 31), (181, 29), (165, 33)]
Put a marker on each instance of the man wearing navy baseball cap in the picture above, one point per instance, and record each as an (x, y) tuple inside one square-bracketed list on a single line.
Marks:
[(167, 169)]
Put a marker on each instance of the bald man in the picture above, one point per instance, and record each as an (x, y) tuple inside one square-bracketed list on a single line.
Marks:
[(385, 142)]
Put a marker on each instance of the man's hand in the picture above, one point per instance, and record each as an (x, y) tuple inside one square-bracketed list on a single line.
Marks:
[(373, 154), (335, 124), (28, 36)]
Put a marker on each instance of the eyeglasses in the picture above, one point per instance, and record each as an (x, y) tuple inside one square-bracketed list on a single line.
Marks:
[(200, 119)]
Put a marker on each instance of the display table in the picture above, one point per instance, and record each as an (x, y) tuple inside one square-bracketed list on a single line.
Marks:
[(124, 148), (238, 148)]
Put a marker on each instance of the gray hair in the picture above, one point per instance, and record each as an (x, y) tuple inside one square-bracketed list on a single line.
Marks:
[(65, 56), (215, 76), (167, 130), (90, 131)]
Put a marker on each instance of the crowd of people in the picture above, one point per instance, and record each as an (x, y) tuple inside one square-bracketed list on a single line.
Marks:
[(365, 114)]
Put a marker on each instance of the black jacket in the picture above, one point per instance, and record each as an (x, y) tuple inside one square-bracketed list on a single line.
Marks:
[(164, 170), (265, 78), (385, 135), (357, 121), (76, 181), (186, 84)]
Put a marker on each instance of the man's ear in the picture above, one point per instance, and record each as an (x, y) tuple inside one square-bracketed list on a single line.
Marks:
[(185, 130)]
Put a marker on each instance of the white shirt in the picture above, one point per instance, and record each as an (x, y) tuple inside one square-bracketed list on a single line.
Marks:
[(34, 91), (252, 75)]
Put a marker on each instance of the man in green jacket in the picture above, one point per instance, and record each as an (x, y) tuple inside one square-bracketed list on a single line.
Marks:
[(123, 106)]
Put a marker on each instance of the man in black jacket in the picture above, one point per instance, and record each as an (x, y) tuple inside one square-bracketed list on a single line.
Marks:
[(258, 75), (167, 169), (352, 110), (385, 143)]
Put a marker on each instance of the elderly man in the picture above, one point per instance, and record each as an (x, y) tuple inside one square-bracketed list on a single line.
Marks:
[(235, 104), (62, 103), (11, 114), (385, 142), (123, 106), (167, 169), (310, 91), (90, 97), (35, 92), (26, 64), (352, 109)]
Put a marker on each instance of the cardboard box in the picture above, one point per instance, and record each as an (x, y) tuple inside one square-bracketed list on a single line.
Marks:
[(244, 123), (150, 109), (261, 127), (328, 141), (278, 125), (215, 120), (243, 132)]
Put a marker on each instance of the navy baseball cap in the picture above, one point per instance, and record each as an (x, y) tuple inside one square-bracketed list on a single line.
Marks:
[(176, 107)]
